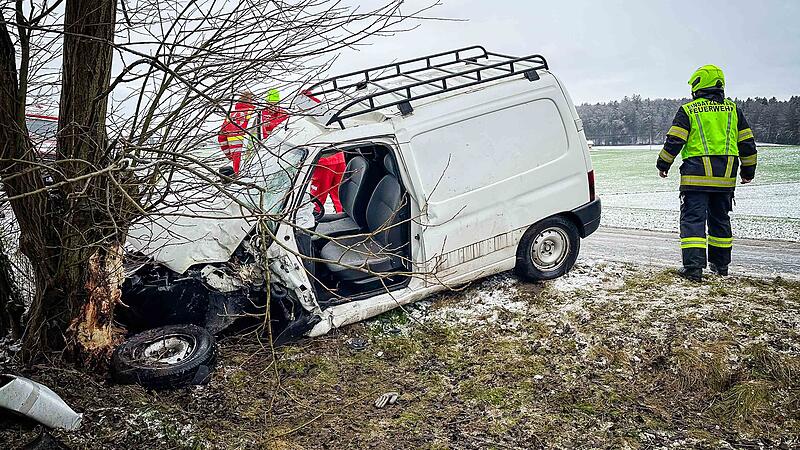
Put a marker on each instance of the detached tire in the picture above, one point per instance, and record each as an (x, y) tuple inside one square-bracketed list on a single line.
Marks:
[(548, 249), (165, 357)]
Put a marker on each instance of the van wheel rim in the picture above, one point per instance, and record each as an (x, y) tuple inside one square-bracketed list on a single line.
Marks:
[(549, 249), (166, 350)]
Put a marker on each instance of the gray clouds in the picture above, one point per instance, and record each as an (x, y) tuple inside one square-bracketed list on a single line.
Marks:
[(604, 50)]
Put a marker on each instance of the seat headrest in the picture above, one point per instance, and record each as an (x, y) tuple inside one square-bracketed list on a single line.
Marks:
[(357, 161), (391, 167)]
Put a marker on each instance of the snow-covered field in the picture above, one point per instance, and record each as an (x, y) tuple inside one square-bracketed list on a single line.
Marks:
[(635, 197), (648, 294)]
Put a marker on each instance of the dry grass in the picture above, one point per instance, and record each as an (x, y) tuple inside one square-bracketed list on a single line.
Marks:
[(702, 366)]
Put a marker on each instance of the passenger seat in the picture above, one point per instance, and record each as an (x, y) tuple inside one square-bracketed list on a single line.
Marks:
[(354, 192)]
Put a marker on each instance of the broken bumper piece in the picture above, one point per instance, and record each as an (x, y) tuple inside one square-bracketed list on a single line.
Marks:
[(36, 401)]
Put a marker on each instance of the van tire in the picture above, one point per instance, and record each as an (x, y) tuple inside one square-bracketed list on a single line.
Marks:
[(196, 351), (548, 249)]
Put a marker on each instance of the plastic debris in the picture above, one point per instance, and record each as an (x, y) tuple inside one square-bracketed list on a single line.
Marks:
[(38, 402), (389, 398), (357, 344)]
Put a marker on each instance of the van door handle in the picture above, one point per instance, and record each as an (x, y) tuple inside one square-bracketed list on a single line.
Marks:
[(579, 124)]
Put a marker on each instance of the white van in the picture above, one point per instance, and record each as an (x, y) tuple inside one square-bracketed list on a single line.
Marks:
[(460, 165)]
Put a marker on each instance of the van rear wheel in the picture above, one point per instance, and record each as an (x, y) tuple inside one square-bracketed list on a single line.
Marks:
[(548, 249)]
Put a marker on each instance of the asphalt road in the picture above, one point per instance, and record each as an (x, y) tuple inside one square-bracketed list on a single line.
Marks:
[(755, 257)]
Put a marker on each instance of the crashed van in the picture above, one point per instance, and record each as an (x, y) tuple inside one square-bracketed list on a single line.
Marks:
[(460, 165)]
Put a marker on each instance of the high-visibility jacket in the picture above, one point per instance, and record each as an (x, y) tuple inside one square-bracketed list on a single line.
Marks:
[(232, 134), (713, 137), (233, 128)]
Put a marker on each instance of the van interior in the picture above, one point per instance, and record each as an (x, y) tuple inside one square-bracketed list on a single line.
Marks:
[(365, 249)]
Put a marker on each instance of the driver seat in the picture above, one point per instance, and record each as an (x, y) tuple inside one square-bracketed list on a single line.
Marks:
[(377, 250), (353, 193)]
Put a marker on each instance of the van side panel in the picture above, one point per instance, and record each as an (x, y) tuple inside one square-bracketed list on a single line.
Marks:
[(483, 152), (491, 170)]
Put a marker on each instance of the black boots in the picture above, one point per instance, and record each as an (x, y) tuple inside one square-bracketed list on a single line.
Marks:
[(226, 173), (695, 275), (719, 270)]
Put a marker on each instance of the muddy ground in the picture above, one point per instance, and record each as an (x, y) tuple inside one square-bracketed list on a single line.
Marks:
[(610, 356)]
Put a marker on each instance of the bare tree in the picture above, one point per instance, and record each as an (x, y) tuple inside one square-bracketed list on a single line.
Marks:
[(138, 83)]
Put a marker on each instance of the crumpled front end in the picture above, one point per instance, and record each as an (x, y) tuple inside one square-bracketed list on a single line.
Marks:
[(222, 297)]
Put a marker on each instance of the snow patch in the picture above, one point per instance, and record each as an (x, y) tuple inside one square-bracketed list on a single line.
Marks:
[(492, 299), (591, 274)]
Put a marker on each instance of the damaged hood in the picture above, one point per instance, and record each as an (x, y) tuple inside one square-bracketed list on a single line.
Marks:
[(201, 221)]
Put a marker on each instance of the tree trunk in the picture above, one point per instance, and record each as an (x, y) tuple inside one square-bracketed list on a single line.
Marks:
[(15, 168), (93, 337), (91, 263), (72, 234)]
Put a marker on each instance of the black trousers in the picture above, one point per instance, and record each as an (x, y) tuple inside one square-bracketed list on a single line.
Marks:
[(701, 211)]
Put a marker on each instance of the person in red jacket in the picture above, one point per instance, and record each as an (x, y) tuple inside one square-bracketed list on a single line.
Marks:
[(273, 115), (231, 135), (327, 177)]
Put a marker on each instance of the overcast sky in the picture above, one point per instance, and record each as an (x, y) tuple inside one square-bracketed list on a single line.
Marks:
[(608, 49)]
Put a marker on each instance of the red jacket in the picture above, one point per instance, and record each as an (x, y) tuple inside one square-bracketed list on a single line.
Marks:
[(271, 117), (231, 135), (239, 118)]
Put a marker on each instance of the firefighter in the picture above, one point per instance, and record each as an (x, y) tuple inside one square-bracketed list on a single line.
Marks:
[(327, 175), (232, 134), (713, 138)]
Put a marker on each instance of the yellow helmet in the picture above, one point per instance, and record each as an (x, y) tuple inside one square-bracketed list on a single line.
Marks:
[(707, 77)]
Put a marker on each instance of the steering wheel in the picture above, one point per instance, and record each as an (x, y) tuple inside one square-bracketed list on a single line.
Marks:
[(319, 209)]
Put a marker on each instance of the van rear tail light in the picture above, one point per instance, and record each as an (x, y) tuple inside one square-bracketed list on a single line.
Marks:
[(592, 195)]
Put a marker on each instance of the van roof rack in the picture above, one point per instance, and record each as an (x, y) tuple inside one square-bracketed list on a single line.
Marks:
[(401, 96)]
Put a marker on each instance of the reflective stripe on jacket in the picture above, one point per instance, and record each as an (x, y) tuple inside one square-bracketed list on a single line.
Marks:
[(712, 136)]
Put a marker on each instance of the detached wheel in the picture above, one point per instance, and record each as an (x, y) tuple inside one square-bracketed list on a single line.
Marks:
[(548, 249), (165, 357)]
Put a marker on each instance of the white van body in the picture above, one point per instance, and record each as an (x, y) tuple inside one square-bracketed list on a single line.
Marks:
[(480, 164)]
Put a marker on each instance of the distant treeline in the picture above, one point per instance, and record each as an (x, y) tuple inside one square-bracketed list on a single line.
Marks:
[(637, 121)]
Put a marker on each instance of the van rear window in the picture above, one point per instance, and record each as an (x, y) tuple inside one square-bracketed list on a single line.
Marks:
[(490, 148)]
